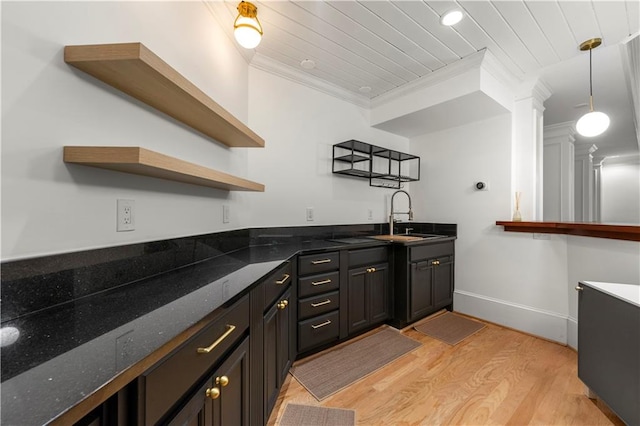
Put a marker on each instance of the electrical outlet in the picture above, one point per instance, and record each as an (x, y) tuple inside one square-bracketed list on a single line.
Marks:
[(225, 213), (125, 218), (369, 214), (309, 214)]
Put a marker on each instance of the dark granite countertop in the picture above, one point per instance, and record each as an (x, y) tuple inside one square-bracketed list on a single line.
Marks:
[(68, 351)]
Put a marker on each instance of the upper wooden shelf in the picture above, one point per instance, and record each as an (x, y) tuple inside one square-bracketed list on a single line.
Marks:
[(598, 230), (135, 70), (144, 162)]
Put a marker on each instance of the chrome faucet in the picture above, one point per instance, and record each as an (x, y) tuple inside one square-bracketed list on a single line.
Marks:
[(391, 216)]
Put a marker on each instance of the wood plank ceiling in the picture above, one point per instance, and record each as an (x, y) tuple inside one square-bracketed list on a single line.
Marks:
[(368, 48)]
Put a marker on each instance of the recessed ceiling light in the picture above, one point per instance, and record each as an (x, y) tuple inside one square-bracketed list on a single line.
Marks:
[(365, 89), (307, 64), (452, 17)]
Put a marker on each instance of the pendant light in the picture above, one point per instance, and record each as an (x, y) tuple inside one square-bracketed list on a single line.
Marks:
[(592, 123), (246, 28)]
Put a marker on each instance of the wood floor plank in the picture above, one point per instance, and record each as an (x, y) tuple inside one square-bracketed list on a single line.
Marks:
[(497, 376)]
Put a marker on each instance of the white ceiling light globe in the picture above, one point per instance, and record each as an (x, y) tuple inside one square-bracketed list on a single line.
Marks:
[(592, 124), (451, 18), (247, 33)]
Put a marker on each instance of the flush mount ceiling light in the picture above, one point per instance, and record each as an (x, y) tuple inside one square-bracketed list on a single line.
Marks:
[(246, 28), (452, 17), (592, 123)]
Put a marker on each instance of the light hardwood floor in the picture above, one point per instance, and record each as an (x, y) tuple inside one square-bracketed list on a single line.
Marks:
[(498, 376)]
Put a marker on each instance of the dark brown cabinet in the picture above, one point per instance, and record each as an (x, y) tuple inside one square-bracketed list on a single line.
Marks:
[(423, 281), (224, 397), (367, 288), (277, 349), (318, 300)]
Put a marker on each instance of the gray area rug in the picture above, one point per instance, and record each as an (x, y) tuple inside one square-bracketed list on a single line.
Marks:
[(338, 368), (450, 328), (308, 415)]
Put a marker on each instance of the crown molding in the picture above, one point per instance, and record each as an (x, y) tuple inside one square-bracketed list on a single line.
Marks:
[(621, 159), (436, 77), (565, 130), (496, 68), (271, 66)]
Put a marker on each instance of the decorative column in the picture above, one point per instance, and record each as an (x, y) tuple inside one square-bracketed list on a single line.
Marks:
[(559, 163), (597, 191), (527, 153), (584, 182)]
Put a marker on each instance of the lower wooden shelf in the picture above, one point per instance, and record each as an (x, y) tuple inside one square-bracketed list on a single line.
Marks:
[(141, 161)]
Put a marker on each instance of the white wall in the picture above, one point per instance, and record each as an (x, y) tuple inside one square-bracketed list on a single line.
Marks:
[(300, 126), (620, 192), (507, 278), (48, 206)]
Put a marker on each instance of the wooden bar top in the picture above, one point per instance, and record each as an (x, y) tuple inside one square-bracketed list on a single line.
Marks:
[(584, 229)]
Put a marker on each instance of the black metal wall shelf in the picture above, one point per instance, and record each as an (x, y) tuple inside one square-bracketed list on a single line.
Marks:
[(382, 166)]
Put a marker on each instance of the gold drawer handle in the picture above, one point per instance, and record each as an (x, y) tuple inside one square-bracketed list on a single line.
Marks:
[(319, 262), (371, 269), (282, 304), (578, 288), (325, 302), (435, 262), (283, 280), (226, 334), (327, 322), (314, 283), (213, 393)]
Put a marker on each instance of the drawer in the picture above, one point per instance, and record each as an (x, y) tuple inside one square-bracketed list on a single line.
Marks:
[(167, 382), (316, 284), (428, 251), (317, 305), (316, 263), (276, 284), (318, 330), (368, 256)]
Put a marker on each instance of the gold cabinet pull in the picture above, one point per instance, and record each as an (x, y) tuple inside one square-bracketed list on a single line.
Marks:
[(371, 269), (226, 334), (213, 393), (314, 283), (327, 322), (435, 262), (222, 381), (578, 288), (320, 262), (324, 302), (282, 304), (283, 280)]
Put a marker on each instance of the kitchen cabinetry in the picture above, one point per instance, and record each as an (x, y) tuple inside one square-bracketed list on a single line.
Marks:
[(223, 399), (608, 345), (367, 288), (278, 323), (162, 389), (318, 301), (423, 281)]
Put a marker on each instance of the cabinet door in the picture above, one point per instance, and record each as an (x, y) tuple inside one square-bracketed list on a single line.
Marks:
[(378, 288), (421, 300), (443, 284), (276, 353), (232, 406), (358, 308), (197, 411)]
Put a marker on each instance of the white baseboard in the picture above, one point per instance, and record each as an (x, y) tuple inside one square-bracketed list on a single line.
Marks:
[(548, 325), (572, 332)]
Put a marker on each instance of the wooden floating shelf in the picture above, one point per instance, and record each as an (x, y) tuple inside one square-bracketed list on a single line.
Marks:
[(140, 161), (597, 230), (137, 71)]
